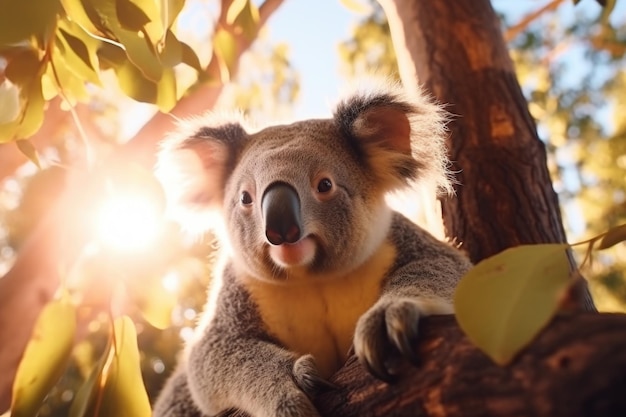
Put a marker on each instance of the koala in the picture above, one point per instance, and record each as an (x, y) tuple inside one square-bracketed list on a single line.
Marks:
[(314, 261)]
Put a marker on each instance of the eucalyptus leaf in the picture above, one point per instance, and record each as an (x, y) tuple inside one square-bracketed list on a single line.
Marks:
[(138, 49), (83, 13), (124, 392), (84, 402), (78, 57), (9, 102), (44, 359), (190, 58), (225, 49), (504, 301), (29, 150), (19, 20), (235, 9), (166, 91), (248, 21), (614, 236), (172, 53)]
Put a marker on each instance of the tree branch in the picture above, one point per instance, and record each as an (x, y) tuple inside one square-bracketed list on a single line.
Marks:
[(515, 30), (574, 368)]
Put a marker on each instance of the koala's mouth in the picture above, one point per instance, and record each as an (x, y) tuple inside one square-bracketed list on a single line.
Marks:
[(289, 255)]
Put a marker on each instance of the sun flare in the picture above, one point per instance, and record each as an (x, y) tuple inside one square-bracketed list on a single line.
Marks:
[(128, 222)]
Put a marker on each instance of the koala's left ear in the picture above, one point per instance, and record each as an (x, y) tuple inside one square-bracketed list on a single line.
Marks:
[(400, 139)]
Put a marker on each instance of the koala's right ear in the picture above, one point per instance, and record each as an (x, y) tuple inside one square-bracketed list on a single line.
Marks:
[(194, 164)]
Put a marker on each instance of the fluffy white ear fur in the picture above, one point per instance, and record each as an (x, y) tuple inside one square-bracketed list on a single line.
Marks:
[(427, 129), (192, 169)]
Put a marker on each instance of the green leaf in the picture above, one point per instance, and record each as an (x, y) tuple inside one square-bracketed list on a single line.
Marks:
[(86, 395), (504, 301), (19, 20), (25, 70), (83, 13), (80, 60), (166, 91), (138, 49), (248, 21), (190, 58), (29, 150), (170, 9), (172, 53), (235, 10), (44, 359), (614, 236), (135, 85), (9, 102), (61, 73), (356, 6), (130, 15), (225, 48), (124, 392)]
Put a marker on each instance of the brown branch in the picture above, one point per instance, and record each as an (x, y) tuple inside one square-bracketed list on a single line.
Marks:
[(575, 368), (515, 30)]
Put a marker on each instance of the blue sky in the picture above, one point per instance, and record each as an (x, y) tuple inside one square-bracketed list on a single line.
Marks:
[(313, 30)]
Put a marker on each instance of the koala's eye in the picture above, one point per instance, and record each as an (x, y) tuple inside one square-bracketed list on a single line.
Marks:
[(245, 198), (324, 186)]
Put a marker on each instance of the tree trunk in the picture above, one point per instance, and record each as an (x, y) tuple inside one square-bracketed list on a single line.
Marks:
[(504, 196)]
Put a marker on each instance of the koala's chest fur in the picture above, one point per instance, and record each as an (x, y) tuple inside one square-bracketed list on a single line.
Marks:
[(319, 316)]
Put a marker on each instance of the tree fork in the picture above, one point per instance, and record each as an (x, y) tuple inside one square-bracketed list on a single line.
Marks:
[(504, 197)]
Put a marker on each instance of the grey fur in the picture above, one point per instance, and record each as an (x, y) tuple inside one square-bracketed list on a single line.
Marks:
[(360, 273)]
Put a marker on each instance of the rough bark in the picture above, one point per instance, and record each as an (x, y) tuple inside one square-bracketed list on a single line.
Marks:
[(54, 243), (576, 367), (504, 196)]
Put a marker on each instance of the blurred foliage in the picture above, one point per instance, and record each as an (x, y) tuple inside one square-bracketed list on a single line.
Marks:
[(70, 50), (571, 64)]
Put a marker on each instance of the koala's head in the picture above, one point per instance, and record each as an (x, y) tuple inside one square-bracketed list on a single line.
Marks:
[(305, 199)]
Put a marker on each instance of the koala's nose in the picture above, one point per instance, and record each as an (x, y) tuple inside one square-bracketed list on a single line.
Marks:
[(281, 211)]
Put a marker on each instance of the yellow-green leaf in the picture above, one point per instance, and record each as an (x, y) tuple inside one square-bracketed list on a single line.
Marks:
[(44, 359), (84, 47), (77, 57), (504, 301), (124, 392), (19, 20), (29, 150), (170, 10), (135, 85), (614, 236), (131, 16), (9, 102), (83, 13), (356, 6), (190, 58), (86, 395), (235, 10), (248, 20), (225, 49), (166, 91), (172, 53), (139, 50)]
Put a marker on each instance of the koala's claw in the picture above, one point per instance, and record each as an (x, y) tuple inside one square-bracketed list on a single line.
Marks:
[(307, 377), (402, 321), (383, 329)]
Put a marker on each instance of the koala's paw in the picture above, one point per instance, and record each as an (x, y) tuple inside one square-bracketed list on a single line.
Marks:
[(385, 327), (307, 377)]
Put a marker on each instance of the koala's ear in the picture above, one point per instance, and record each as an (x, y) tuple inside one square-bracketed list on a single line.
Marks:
[(400, 139), (194, 164)]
